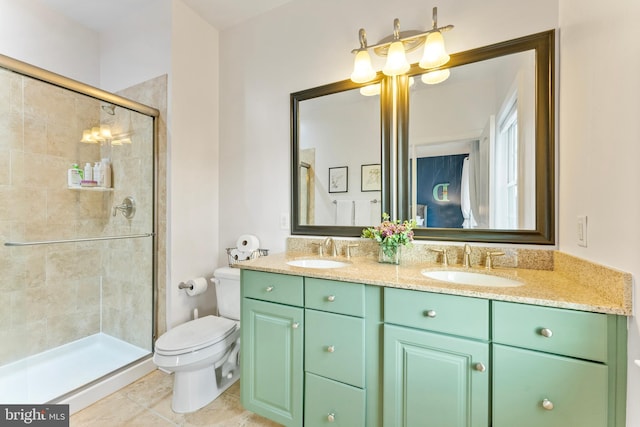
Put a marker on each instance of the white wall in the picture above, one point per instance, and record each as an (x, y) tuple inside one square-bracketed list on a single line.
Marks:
[(193, 160), (304, 44), (599, 144), (46, 39)]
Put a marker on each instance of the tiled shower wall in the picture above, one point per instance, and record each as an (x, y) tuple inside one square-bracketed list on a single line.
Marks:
[(54, 294)]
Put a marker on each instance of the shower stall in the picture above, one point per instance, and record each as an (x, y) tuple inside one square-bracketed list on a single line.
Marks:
[(77, 263)]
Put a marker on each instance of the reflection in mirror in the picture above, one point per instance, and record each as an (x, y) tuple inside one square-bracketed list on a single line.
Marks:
[(338, 138), (472, 146)]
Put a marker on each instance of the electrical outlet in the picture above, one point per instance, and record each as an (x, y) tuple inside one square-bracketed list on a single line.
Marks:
[(284, 221), (582, 231)]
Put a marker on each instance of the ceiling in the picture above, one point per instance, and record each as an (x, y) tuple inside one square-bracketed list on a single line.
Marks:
[(219, 13)]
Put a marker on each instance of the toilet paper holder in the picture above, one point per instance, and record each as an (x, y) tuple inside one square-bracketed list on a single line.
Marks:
[(183, 285)]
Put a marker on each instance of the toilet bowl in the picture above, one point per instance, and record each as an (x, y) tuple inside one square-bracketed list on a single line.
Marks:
[(204, 353)]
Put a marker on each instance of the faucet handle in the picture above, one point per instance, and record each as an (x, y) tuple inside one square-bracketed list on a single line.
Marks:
[(347, 249), (466, 256), (488, 263), (445, 257)]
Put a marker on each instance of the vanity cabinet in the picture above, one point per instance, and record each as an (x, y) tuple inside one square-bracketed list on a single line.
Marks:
[(556, 367), (272, 337), (436, 360), (313, 335)]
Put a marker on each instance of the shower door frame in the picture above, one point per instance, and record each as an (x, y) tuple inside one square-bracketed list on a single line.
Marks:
[(58, 80)]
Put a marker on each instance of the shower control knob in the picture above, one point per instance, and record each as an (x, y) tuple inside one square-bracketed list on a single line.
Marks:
[(269, 289), (331, 417), (331, 298)]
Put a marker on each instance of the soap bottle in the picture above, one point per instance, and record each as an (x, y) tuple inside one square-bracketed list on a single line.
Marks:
[(88, 172), (96, 174), (74, 176), (105, 172)]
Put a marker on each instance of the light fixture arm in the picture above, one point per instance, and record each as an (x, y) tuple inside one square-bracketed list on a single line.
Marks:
[(362, 35), (402, 39)]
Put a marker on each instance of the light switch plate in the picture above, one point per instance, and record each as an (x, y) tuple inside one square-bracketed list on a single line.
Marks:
[(582, 231)]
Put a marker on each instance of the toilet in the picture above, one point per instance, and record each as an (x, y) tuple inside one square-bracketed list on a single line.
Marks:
[(204, 353)]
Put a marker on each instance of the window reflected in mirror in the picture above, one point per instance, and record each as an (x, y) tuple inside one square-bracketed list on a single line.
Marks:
[(472, 142)]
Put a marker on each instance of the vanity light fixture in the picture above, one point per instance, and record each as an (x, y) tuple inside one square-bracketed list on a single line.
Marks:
[(394, 47), (102, 133)]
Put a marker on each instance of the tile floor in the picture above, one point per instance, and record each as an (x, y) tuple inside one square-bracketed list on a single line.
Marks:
[(147, 402)]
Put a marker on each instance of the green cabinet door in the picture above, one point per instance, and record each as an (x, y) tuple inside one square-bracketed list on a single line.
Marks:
[(434, 380), (271, 360), (533, 389)]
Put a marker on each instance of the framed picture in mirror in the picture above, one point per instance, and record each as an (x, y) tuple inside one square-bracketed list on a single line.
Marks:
[(370, 178), (339, 179)]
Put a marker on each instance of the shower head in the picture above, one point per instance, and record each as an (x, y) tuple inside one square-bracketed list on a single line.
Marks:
[(109, 109)]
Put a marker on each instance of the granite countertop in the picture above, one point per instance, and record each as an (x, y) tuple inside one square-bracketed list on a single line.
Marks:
[(572, 284)]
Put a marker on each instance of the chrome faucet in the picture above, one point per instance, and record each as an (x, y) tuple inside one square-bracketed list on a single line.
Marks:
[(329, 245), (445, 257), (466, 256)]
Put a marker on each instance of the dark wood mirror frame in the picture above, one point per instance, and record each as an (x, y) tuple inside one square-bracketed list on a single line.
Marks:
[(396, 129)]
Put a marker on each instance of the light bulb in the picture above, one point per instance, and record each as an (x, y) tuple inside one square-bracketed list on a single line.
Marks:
[(396, 60), (105, 131), (435, 55), (95, 134), (86, 137), (435, 77), (362, 69)]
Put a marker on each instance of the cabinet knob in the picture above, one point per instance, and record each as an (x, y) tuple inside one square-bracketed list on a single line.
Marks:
[(331, 349), (331, 417), (545, 332), (295, 325), (269, 288), (430, 313), (547, 404), (331, 298), (480, 367)]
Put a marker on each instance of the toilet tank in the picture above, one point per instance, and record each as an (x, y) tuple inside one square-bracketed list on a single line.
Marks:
[(227, 282)]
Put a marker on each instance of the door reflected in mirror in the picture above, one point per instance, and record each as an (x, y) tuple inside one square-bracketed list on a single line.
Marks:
[(338, 150), (472, 142)]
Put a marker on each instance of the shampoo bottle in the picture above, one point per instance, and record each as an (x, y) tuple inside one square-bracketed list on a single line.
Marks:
[(96, 174), (105, 172), (88, 172), (74, 176)]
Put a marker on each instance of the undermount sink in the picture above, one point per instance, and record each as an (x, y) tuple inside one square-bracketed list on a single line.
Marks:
[(471, 278), (317, 263)]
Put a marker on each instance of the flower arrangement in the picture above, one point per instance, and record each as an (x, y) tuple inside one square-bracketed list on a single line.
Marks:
[(391, 235)]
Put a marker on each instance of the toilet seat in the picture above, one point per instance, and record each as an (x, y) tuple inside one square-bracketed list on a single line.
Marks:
[(195, 335)]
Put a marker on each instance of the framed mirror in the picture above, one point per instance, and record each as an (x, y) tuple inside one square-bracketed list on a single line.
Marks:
[(415, 131), (478, 156), (337, 171)]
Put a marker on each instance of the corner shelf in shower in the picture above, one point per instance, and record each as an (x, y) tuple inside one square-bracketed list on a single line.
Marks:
[(90, 189)]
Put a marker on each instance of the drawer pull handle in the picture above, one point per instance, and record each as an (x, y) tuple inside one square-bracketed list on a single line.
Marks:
[(480, 367), (546, 332), (430, 313), (331, 349), (331, 417), (331, 298), (295, 325), (269, 289), (547, 404)]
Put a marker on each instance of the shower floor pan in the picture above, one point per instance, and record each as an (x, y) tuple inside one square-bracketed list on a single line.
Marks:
[(45, 376)]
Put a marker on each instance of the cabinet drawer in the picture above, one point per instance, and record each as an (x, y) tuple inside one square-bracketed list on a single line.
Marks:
[(554, 330), (334, 346), (329, 403), (335, 297), (449, 314), (575, 390), (273, 287)]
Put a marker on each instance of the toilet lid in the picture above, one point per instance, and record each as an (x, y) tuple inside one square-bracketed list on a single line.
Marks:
[(196, 334)]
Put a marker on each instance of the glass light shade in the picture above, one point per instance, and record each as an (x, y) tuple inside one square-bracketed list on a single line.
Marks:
[(105, 132), (370, 90), (86, 137), (396, 60), (95, 134), (362, 69), (116, 142), (435, 55), (435, 77)]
